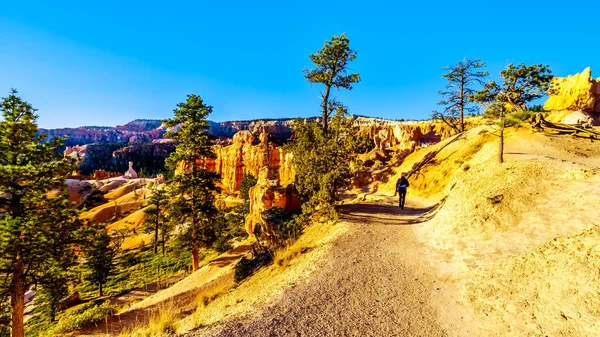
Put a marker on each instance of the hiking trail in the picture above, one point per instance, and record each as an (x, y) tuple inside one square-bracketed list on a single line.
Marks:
[(375, 281)]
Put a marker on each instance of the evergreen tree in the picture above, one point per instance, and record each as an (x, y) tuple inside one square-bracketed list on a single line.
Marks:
[(331, 69), (520, 85), (325, 162), (155, 220), (52, 292), (461, 79), (100, 255), (38, 227), (194, 186), (248, 181)]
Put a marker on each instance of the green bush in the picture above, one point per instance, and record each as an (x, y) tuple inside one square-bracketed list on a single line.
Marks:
[(247, 267), (85, 316), (517, 118), (222, 244), (522, 116)]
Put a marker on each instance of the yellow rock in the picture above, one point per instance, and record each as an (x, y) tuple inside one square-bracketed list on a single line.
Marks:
[(572, 93)]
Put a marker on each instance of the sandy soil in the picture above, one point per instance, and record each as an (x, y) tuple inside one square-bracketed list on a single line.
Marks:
[(375, 281)]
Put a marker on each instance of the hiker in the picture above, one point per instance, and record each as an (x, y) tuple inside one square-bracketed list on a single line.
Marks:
[(401, 185)]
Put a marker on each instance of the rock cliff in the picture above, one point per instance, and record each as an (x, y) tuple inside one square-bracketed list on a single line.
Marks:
[(137, 131), (279, 130), (266, 194), (243, 147), (579, 92), (248, 154), (405, 135)]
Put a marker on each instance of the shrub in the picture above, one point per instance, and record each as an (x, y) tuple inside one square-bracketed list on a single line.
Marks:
[(248, 181), (247, 267), (88, 314), (222, 244)]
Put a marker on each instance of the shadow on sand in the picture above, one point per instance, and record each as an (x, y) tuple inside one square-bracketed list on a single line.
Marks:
[(388, 214)]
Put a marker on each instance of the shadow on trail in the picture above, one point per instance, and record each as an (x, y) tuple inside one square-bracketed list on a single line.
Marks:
[(386, 214)]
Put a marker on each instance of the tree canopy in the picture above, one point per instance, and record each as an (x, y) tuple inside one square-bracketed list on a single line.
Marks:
[(38, 226), (462, 79), (520, 85), (331, 69), (325, 162), (193, 186)]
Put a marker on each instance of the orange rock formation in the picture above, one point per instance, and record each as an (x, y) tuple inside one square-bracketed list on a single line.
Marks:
[(579, 92), (247, 155), (407, 135), (266, 194)]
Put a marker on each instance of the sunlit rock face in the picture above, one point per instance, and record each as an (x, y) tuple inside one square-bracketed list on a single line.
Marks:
[(247, 154), (579, 92), (266, 194), (405, 135)]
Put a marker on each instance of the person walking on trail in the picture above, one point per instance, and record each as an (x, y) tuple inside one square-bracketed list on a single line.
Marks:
[(401, 186)]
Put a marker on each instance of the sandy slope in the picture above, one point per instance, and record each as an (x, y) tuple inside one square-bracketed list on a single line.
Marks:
[(375, 281)]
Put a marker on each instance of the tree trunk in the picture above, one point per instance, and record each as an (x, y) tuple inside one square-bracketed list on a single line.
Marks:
[(100, 288), (156, 237), (513, 104), (195, 261), (163, 244), (324, 106), (501, 140), (17, 298), (462, 104)]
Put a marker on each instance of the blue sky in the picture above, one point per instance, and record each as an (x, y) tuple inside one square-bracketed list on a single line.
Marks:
[(109, 62)]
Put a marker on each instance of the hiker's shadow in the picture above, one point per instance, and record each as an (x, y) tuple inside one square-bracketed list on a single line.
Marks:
[(387, 214)]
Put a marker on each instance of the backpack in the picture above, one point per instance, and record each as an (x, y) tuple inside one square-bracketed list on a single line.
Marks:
[(400, 187)]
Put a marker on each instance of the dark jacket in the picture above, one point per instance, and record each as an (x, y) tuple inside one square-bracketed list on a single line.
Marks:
[(402, 183)]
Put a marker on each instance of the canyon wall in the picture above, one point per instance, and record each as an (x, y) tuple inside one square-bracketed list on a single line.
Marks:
[(242, 147), (248, 154), (137, 131)]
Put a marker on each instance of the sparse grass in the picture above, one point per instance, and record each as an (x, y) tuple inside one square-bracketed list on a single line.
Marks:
[(310, 247), (206, 297), (162, 322), (285, 256)]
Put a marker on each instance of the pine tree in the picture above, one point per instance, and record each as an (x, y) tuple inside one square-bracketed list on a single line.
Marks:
[(193, 186), (100, 254), (332, 70), (461, 79), (155, 221), (325, 162), (520, 85), (38, 226)]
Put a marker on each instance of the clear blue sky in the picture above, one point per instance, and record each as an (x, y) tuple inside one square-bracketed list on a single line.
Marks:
[(109, 62)]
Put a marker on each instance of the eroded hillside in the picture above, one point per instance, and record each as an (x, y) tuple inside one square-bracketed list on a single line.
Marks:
[(519, 238)]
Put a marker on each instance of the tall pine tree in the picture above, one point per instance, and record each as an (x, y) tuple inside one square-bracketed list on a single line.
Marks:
[(155, 221), (100, 253), (38, 226), (331, 69), (457, 93), (193, 187)]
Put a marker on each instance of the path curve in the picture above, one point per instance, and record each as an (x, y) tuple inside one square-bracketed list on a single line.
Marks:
[(375, 282)]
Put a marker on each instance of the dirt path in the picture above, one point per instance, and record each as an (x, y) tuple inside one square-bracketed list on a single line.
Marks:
[(376, 281)]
